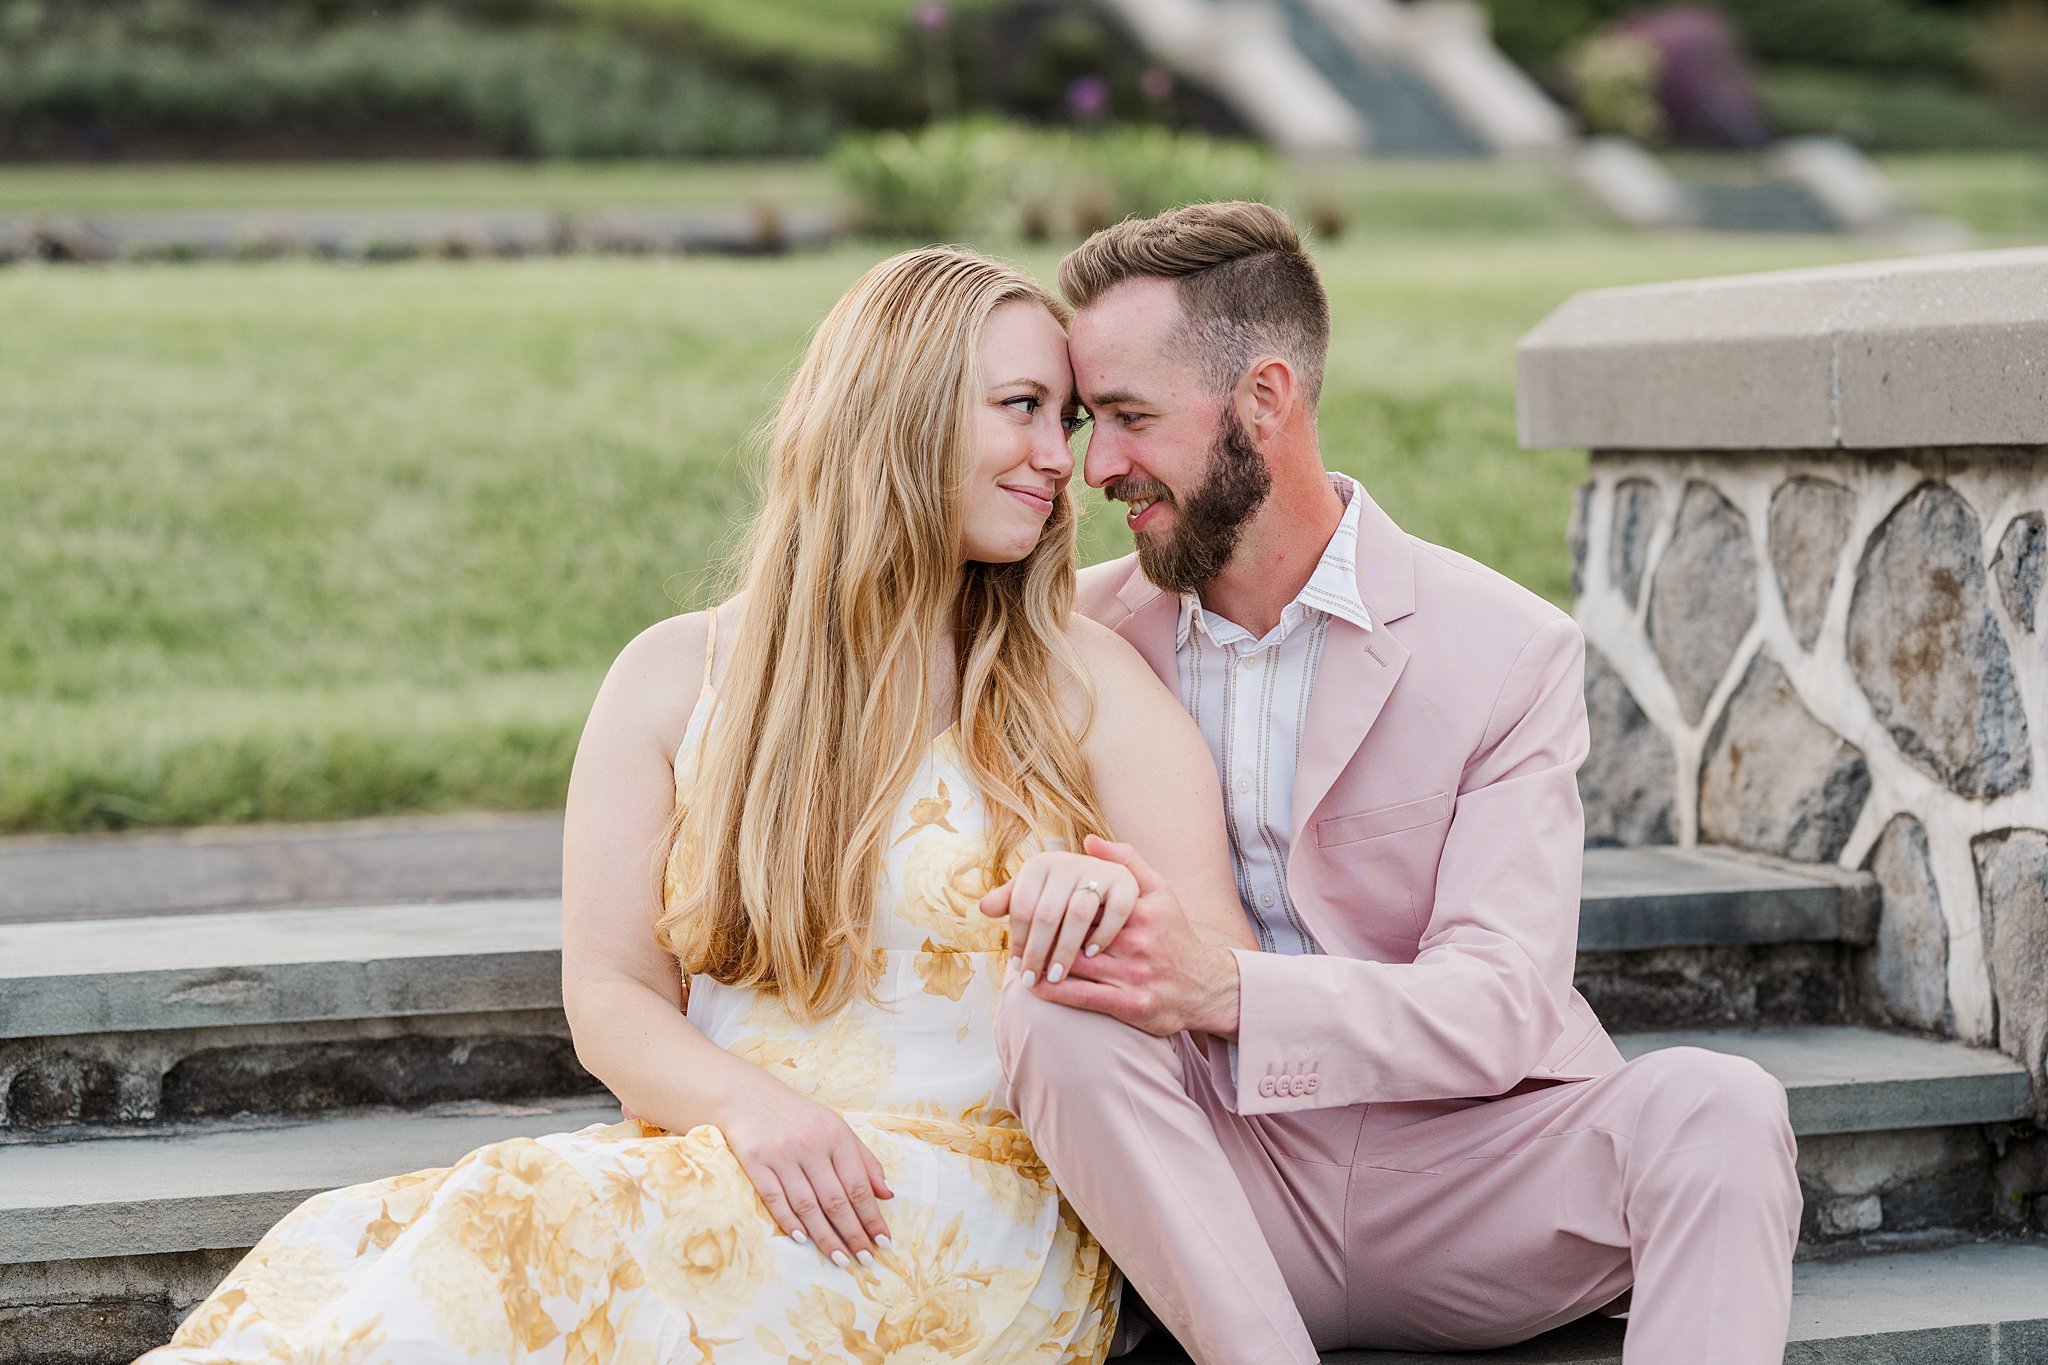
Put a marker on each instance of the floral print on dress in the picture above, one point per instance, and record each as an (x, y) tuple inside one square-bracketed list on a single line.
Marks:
[(627, 1245)]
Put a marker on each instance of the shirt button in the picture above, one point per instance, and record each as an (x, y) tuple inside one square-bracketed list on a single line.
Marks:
[(1244, 784), (1265, 898), (1247, 660)]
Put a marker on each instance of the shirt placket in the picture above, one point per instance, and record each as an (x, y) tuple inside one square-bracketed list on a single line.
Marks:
[(1250, 761)]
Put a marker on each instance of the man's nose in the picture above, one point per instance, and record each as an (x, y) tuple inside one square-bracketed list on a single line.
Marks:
[(1102, 461)]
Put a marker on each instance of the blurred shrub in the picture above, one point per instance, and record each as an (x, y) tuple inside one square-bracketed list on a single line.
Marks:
[(1614, 84), (963, 179), (528, 91), (2014, 56), (1893, 115), (1147, 170), (1898, 36), (940, 184)]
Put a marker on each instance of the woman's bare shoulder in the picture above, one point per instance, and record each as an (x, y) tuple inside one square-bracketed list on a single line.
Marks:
[(658, 676), (1113, 663)]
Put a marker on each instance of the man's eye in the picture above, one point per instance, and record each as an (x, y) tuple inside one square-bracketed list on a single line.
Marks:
[(1130, 419)]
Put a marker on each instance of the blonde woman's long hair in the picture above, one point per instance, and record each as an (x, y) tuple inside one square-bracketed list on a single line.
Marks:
[(854, 582)]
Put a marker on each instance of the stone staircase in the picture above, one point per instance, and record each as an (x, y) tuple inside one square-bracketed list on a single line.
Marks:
[(1405, 116), (170, 1084)]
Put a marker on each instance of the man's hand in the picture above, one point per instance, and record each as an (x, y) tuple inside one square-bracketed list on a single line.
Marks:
[(1142, 962)]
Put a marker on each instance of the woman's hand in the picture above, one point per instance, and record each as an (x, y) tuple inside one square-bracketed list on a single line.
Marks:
[(819, 1181), (1062, 906)]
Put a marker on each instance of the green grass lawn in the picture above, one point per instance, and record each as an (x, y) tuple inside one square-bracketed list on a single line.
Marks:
[(301, 541), (560, 185)]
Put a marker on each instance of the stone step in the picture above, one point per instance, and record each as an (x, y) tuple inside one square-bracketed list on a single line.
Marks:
[(1897, 1134), (413, 858), (277, 1011), (224, 1185), (1702, 937), (163, 1017), (1642, 899), (182, 1190), (1983, 1303), (271, 966), (104, 1244), (1859, 1080)]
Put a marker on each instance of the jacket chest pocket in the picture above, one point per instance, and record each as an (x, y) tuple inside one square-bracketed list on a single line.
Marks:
[(1389, 856), (1338, 831)]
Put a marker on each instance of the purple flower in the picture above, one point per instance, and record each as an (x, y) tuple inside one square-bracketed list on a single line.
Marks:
[(1157, 82), (933, 16), (1087, 96)]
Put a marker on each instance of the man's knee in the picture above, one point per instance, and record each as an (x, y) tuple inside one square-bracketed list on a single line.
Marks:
[(1036, 1037), (1708, 1099)]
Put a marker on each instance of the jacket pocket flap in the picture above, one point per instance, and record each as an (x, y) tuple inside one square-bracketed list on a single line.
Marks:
[(1371, 824)]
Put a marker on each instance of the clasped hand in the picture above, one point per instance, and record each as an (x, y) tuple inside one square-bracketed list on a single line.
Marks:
[(1101, 931), (818, 1180)]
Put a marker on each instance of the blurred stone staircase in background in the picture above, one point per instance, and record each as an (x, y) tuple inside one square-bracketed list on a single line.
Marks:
[(172, 1083), (1353, 76)]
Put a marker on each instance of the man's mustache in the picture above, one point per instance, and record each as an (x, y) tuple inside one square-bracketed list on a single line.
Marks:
[(1136, 490)]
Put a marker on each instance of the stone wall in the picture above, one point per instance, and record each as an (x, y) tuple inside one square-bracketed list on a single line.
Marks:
[(1838, 658), (1811, 564)]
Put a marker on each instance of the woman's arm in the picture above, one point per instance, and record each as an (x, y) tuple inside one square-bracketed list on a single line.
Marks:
[(1149, 919), (1158, 786), (623, 991)]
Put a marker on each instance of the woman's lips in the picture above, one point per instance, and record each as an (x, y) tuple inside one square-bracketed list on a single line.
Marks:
[(1037, 503)]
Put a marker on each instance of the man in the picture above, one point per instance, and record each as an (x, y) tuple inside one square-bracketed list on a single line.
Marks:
[(1398, 1125)]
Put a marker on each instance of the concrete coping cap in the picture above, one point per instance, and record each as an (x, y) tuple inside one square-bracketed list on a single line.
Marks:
[(1944, 350)]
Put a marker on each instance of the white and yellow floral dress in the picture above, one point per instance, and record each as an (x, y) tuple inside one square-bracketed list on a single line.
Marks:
[(623, 1243)]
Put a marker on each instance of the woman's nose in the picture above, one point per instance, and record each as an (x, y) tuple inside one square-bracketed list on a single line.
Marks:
[(1051, 454)]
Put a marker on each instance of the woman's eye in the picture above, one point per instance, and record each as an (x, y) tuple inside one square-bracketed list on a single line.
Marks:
[(1029, 404), (1074, 421)]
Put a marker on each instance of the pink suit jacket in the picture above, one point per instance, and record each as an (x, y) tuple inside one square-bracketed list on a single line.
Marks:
[(1437, 844)]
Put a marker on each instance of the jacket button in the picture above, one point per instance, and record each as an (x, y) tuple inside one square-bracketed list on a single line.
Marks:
[(1312, 1084), (1266, 1087)]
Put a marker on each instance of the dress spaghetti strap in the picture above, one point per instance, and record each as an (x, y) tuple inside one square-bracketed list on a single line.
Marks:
[(710, 643)]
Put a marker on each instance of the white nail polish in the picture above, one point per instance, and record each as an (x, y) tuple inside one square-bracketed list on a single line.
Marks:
[(884, 1243), (1030, 979), (1091, 950), (797, 1235), (840, 1259), (1054, 973), (866, 1258)]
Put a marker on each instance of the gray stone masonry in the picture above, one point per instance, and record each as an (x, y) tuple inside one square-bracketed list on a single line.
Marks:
[(1809, 564)]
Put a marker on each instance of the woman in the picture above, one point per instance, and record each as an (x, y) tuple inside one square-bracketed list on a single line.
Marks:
[(794, 804)]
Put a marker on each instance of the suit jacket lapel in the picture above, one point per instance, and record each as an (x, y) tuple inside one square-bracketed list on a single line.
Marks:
[(1358, 668), (1151, 626)]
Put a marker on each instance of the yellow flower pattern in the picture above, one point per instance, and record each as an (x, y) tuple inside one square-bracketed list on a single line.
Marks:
[(624, 1244)]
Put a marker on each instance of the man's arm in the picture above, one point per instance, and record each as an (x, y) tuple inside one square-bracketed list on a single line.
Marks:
[(1488, 992)]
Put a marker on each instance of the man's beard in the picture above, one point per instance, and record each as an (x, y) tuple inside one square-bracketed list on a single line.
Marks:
[(1208, 523)]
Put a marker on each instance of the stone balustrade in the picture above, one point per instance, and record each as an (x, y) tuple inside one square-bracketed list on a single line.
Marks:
[(1811, 565)]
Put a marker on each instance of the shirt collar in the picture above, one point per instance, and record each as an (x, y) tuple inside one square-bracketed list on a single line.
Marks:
[(1331, 589)]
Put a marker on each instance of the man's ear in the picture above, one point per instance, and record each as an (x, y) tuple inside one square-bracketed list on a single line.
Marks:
[(1266, 396)]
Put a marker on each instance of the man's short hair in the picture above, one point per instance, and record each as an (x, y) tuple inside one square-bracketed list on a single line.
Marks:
[(1245, 285)]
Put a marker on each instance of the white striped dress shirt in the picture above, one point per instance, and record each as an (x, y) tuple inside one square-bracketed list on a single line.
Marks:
[(1250, 698)]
